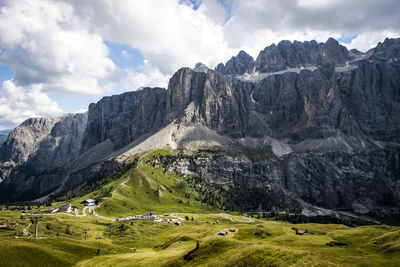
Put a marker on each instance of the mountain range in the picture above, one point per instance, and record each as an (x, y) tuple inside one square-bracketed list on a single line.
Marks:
[(306, 127)]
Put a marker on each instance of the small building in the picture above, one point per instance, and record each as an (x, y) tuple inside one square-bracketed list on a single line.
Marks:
[(222, 233), (232, 230), (301, 232), (178, 223), (25, 232), (89, 202), (65, 208)]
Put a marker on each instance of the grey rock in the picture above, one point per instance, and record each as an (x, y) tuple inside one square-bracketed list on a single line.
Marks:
[(35, 151), (241, 64), (123, 118), (288, 55), (294, 55), (200, 67), (49, 142)]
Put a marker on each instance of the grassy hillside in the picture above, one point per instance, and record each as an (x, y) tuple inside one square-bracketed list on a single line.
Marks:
[(147, 186), (259, 243)]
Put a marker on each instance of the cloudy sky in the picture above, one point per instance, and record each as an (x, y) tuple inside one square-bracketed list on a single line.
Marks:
[(57, 56)]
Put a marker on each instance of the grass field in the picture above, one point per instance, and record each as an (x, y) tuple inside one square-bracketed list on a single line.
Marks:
[(260, 243), (147, 187)]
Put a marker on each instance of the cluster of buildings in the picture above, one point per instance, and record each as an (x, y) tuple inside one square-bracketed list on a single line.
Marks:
[(151, 216), (67, 207)]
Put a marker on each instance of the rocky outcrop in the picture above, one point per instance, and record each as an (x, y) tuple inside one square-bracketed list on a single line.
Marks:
[(123, 118), (241, 64), (45, 142), (36, 151)]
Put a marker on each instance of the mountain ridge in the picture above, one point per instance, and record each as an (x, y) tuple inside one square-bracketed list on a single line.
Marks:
[(301, 118)]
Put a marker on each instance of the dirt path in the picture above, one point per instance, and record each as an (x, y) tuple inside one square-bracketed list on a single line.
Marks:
[(227, 216)]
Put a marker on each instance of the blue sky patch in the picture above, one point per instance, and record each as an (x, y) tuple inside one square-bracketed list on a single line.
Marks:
[(5, 74), (226, 4), (71, 102), (346, 39), (124, 56)]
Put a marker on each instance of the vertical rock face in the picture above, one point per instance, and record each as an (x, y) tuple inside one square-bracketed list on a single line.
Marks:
[(62, 144), (49, 142), (38, 146), (24, 140), (123, 118)]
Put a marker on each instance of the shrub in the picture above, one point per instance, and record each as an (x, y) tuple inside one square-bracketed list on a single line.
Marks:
[(337, 243), (262, 234)]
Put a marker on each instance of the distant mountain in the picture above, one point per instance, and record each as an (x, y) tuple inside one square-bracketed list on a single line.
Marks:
[(307, 127), (3, 138), (4, 135), (5, 132)]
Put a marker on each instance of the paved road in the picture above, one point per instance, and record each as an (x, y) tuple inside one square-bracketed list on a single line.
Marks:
[(227, 216)]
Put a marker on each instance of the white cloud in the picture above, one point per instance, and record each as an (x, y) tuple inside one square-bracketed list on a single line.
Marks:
[(316, 4), (149, 76), (366, 41), (126, 54), (81, 110), (168, 34), (18, 104), (213, 10), (257, 23), (44, 42)]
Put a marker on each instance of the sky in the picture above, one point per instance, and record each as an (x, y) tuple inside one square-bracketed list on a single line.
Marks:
[(58, 56)]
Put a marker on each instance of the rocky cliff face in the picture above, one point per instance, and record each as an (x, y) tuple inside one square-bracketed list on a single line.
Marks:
[(307, 122), (39, 146), (124, 118), (366, 182), (288, 55), (45, 142), (241, 64)]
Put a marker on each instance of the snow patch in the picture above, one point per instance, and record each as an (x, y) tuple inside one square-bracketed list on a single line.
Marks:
[(251, 97), (257, 76)]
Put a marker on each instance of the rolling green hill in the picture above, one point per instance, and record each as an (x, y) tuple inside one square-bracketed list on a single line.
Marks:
[(195, 243), (145, 185)]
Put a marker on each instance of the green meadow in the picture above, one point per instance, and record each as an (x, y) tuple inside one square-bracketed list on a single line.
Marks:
[(147, 186)]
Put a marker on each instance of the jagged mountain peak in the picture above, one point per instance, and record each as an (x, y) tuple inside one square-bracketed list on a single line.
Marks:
[(241, 64), (200, 67), (286, 54)]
